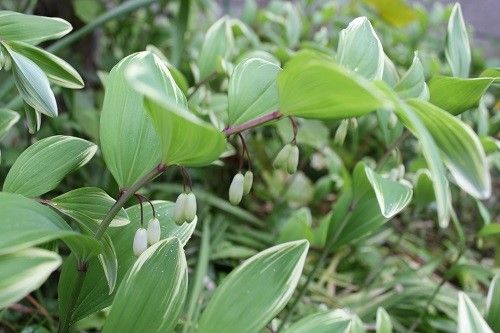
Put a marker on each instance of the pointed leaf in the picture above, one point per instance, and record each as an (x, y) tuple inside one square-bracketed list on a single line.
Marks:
[(24, 271), (272, 274), (252, 91), (155, 287), (457, 44), (56, 69), (457, 95), (89, 204), (26, 223), (493, 304), (323, 322), (360, 49), (33, 85), (412, 84), (31, 29), (464, 154), (390, 74), (129, 142), (384, 324), (373, 201), (430, 151), (216, 46), (469, 318), (44, 164), (184, 138), (313, 86), (8, 118), (392, 196)]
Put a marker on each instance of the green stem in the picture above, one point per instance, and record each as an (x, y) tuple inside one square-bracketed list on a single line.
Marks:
[(82, 267), (124, 197), (324, 254)]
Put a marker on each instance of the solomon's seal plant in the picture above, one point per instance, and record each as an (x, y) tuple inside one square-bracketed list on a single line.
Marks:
[(372, 229)]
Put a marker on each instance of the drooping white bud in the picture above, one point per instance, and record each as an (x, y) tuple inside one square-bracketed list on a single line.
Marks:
[(247, 182), (293, 160), (154, 231), (341, 133), (236, 189), (280, 162), (180, 204), (190, 208), (140, 241)]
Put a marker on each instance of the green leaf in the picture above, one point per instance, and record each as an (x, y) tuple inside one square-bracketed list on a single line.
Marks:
[(216, 46), (395, 12), (390, 74), (152, 294), (412, 84), (469, 318), (371, 202), (457, 95), (24, 271), (431, 153), (392, 196), (489, 230), (129, 143), (360, 49), (493, 304), (298, 226), (33, 85), (313, 86), (464, 154), (252, 90), (152, 78), (272, 274), (31, 28), (8, 118), (184, 138), (323, 322), (44, 164), (26, 223), (293, 24), (56, 69), (95, 294), (89, 204), (457, 49), (493, 72), (384, 324), (179, 78), (424, 192)]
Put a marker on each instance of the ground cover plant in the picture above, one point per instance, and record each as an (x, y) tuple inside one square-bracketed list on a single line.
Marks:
[(190, 166)]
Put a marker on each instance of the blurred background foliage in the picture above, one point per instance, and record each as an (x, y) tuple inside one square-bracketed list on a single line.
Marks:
[(409, 266)]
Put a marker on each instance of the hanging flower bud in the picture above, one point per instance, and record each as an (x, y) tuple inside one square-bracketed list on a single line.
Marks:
[(154, 231), (393, 120), (236, 189), (341, 133), (140, 241), (190, 208), (180, 204), (293, 160), (281, 160), (353, 123), (247, 182)]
